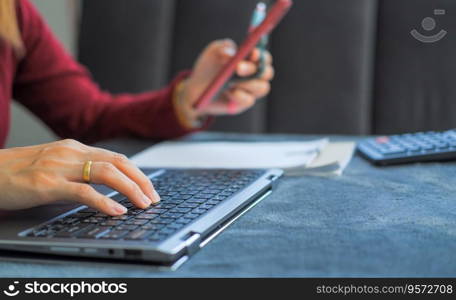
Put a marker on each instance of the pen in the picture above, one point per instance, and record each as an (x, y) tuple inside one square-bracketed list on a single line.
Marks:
[(258, 17), (259, 14)]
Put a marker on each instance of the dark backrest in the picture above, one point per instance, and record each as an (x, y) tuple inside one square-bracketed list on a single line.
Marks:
[(415, 82), (347, 67)]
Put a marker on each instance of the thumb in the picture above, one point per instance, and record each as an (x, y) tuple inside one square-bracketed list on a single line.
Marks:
[(209, 63), (218, 52), (212, 59)]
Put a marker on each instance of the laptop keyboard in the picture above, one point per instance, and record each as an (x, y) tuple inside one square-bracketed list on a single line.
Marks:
[(186, 195)]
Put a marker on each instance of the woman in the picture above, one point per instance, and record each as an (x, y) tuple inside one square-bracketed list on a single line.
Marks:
[(36, 71)]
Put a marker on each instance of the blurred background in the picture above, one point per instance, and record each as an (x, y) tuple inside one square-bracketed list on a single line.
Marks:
[(343, 66)]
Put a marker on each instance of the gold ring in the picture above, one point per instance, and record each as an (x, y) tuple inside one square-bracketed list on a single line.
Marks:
[(86, 171)]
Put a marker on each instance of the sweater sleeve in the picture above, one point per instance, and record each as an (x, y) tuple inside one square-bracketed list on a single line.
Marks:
[(51, 84)]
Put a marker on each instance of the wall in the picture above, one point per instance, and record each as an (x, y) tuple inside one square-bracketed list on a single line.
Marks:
[(26, 129)]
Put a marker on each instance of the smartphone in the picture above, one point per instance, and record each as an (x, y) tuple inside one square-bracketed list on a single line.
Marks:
[(275, 14)]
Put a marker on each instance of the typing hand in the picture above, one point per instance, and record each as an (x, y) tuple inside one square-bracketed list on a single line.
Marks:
[(32, 176), (239, 97)]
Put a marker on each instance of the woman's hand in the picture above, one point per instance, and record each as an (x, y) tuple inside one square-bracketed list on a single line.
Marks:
[(32, 176), (239, 97)]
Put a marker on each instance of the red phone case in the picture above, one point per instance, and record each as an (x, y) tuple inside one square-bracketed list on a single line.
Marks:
[(275, 15)]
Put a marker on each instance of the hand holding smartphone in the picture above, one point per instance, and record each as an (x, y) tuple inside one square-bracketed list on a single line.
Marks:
[(274, 16)]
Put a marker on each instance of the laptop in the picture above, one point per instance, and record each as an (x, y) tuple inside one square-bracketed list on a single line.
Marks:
[(196, 206)]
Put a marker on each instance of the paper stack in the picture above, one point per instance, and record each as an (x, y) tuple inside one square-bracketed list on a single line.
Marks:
[(331, 161), (318, 157)]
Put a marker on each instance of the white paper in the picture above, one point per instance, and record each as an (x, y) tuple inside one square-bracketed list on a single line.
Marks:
[(332, 161), (230, 155)]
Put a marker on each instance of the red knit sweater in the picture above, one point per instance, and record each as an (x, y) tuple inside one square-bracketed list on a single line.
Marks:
[(61, 92)]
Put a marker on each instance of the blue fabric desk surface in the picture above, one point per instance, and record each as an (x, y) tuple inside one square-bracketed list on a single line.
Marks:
[(393, 221)]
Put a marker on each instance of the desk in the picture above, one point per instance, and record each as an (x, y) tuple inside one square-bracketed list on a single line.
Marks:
[(393, 221)]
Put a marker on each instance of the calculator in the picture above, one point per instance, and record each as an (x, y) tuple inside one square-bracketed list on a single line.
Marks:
[(409, 148)]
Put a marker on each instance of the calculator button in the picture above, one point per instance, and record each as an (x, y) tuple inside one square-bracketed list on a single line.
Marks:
[(441, 145), (393, 150), (414, 149), (382, 140), (426, 146), (451, 134)]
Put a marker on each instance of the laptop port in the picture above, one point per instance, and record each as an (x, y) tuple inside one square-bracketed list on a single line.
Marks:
[(132, 254), (272, 177)]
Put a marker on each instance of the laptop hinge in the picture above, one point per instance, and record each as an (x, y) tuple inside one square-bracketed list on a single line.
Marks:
[(192, 243)]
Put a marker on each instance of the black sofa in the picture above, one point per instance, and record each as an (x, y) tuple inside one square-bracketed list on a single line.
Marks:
[(343, 66)]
